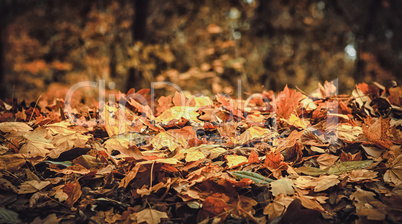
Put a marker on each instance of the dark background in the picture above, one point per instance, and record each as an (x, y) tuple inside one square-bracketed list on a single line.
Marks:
[(203, 46)]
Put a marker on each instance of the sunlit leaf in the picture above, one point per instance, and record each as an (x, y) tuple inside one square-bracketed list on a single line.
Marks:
[(235, 160)]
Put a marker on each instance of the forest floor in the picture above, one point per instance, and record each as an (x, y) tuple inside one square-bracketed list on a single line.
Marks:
[(272, 158)]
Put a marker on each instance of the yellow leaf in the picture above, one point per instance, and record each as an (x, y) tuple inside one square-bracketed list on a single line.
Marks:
[(115, 122), (189, 113), (253, 133), (297, 122), (348, 132), (194, 156), (202, 101), (168, 140), (172, 161), (235, 160)]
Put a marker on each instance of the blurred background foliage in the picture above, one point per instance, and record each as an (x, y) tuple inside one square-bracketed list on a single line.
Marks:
[(203, 46)]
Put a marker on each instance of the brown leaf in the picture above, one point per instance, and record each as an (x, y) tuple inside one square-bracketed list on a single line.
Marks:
[(278, 206), (130, 176), (150, 216), (297, 215), (73, 190)]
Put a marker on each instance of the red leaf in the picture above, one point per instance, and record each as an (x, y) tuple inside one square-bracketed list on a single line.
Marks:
[(253, 157), (73, 190)]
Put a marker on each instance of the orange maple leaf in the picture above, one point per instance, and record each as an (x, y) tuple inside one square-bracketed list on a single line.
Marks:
[(287, 102), (253, 157)]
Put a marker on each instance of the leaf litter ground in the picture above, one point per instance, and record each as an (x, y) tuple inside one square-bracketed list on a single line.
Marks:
[(285, 158)]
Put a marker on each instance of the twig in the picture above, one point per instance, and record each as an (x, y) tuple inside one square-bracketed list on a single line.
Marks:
[(37, 101), (152, 170)]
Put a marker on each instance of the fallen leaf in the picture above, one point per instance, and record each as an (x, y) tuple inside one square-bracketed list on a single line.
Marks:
[(73, 190), (32, 186), (348, 132), (253, 133), (394, 172), (344, 167), (150, 216), (326, 160), (168, 140), (274, 162), (253, 157), (282, 186), (129, 176), (12, 162), (287, 102), (362, 175), (257, 178), (36, 149), (194, 156), (15, 128), (277, 207), (235, 160), (325, 182)]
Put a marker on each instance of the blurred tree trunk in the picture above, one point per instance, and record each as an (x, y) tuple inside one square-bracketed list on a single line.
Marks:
[(9, 9), (3, 20), (139, 29)]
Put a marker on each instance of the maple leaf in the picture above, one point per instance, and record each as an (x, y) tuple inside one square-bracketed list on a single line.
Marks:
[(253, 157), (287, 102), (274, 162), (150, 216), (394, 173), (164, 102)]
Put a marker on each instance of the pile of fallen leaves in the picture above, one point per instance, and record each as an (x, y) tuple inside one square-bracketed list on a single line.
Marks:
[(285, 158)]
